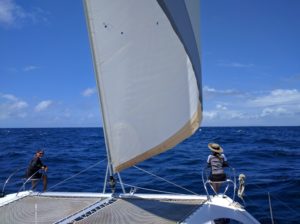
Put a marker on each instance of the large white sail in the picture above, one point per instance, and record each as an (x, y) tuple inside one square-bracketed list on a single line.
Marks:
[(147, 63)]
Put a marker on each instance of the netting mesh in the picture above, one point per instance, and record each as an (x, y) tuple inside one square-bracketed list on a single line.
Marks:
[(144, 211), (41, 209)]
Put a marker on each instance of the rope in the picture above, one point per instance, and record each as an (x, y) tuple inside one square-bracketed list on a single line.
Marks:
[(10, 176), (241, 190), (293, 210), (148, 189), (15, 182), (270, 205), (165, 180), (59, 183)]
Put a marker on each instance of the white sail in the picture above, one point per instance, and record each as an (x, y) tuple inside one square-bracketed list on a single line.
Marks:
[(147, 63)]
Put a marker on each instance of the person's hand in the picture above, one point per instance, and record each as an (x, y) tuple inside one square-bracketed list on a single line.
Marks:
[(45, 168)]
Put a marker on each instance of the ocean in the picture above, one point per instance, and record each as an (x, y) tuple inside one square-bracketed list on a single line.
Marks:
[(268, 156)]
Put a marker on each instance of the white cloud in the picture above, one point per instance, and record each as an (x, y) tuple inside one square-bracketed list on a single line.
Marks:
[(210, 114), (12, 14), (90, 115), (276, 107), (275, 112), (30, 68), (236, 65), (208, 91), (43, 105), (11, 106), (223, 113), (89, 92), (9, 97), (277, 97), (221, 107), (18, 105)]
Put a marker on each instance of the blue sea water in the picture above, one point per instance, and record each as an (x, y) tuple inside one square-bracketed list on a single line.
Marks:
[(268, 156)]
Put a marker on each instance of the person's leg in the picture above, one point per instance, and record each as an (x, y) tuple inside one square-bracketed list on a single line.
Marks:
[(217, 187), (214, 186), (216, 181), (45, 182), (221, 178), (34, 184), (212, 183)]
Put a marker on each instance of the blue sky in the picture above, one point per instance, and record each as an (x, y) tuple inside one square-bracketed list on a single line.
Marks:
[(250, 64)]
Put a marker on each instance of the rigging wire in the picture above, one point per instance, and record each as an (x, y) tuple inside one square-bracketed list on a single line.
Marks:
[(270, 205), (10, 176), (149, 189), (165, 180), (276, 198), (59, 183), (284, 204)]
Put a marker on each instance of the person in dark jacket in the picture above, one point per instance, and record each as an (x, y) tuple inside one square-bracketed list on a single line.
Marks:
[(37, 170), (216, 161)]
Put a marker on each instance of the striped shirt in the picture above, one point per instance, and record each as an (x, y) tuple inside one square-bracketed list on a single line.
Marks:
[(217, 164)]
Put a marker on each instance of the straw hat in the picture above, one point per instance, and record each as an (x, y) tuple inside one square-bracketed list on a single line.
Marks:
[(215, 147)]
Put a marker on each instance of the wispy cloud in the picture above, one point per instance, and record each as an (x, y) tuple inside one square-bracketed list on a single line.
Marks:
[(296, 77), (89, 91), (43, 105), (279, 111), (221, 107), (30, 68), (208, 91), (11, 106), (18, 105), (222, 112), (12, 14), (278, 103), (235, 65), (277, 97), (9, 97), (276, 107), (210, 115), (292, 78)]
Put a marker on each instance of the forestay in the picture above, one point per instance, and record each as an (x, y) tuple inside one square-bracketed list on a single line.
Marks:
[(147, 63)]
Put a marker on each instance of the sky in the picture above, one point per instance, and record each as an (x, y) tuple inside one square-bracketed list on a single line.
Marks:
[(250, 52)]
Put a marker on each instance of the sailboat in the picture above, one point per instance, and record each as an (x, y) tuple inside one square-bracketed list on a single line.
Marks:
[(146, 57)]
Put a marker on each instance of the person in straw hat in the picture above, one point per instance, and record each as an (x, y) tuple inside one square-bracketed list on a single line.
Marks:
[(216, 161)]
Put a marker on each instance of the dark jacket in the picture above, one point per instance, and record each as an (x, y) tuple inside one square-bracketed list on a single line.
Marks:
[(34, 166)]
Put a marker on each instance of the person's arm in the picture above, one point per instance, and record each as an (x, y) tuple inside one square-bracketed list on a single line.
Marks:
[(43, 166), (225, 162), (39, 164), (208, 161)]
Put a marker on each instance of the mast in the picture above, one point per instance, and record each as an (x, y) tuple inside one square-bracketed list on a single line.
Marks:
[(89, 26)]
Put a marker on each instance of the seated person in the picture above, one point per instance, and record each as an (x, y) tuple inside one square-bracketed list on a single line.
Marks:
[(33, 170)]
